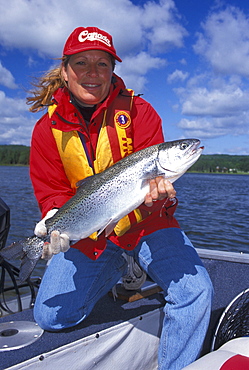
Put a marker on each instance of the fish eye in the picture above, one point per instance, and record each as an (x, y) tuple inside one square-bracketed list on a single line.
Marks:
[(183, 146)]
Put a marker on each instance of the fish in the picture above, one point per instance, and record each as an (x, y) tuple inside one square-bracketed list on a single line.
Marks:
[(103, 199)]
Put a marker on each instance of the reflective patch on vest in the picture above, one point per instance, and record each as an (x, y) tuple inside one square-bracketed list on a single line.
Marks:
[(122, 122)]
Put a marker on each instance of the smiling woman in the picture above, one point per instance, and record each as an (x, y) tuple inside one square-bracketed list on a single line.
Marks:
[(92, 122)]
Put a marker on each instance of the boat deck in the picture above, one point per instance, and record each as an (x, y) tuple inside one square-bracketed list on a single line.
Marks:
[(106, 313), (228, 271)]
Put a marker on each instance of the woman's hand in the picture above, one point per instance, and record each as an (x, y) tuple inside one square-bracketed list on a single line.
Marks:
[(58, 242), (159, 189)]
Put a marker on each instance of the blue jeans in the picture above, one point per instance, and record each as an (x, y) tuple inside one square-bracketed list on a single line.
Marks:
[(73, 283)]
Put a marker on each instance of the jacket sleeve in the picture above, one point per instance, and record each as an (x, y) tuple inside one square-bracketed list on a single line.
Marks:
[(51, 186), (147, 125)]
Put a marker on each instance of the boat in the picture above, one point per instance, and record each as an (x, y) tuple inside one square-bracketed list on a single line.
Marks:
[(124, 333)]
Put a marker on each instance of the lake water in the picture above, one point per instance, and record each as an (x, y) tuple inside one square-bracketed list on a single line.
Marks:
[(213, 208)]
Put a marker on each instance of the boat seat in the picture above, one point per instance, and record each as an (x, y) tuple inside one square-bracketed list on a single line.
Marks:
[(232, 355)]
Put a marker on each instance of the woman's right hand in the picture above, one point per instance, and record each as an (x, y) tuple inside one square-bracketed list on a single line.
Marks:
[(58, 242)]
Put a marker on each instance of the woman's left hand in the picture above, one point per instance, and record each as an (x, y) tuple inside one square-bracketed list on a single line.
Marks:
[(159, 189)]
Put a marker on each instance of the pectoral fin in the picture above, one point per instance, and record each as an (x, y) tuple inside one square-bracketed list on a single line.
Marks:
[(108, 228)]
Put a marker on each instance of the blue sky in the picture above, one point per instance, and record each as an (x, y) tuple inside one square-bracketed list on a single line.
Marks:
[(189, 59)]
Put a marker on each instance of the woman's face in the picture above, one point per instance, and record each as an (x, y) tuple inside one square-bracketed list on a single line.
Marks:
[(88, 75)]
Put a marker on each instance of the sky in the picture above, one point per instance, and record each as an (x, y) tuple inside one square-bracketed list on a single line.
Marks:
[(189, 59)]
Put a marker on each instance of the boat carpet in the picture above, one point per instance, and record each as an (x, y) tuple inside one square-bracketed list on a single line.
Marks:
[(105, 314)]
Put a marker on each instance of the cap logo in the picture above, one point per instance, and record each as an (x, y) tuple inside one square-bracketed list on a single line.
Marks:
[(93, 36)]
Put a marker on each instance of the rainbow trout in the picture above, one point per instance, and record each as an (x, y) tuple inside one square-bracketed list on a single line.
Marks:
[(103, 199)]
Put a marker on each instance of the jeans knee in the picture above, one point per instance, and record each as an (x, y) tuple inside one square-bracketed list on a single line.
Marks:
[(42, 320), (202, 288), (51, 319), (196, 288)]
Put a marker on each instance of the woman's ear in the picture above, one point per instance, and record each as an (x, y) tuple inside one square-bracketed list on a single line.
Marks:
[(64, 73)]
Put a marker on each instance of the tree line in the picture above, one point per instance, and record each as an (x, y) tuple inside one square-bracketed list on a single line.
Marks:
[(14, 155), (223, 163)]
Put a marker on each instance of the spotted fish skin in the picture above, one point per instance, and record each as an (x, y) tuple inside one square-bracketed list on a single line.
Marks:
[(103, 199)]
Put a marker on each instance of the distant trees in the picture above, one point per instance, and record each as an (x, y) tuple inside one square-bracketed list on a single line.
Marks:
[(222, 163), (14, 155)]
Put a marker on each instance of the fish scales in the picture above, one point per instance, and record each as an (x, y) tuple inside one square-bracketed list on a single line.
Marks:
[(111, 188), (104, 198)]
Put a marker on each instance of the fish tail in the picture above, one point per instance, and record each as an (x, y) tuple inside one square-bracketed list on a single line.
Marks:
[(28, 250), (13, 251), (27, 267)]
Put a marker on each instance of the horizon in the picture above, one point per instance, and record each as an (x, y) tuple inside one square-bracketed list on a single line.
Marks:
[(203, 154)]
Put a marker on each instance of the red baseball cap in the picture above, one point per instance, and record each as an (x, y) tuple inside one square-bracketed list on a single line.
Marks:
[(89, 38)]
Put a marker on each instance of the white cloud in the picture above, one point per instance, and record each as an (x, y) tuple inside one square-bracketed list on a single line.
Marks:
[(15, 125), (224, 41), (10, 107), (44, 26), (6, 78), (217, 102), (162, 26), (214, 111), (204, 128), (177, 75), (135, 67)]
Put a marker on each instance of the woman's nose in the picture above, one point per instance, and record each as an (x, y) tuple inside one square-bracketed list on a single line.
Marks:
[(92, 70)]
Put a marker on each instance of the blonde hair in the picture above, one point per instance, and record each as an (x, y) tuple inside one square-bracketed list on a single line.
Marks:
[(46, 86)]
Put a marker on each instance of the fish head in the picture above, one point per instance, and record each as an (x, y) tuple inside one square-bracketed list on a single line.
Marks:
[(176, 157)]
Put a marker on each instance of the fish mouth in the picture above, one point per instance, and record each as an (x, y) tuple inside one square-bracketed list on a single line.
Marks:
[(194, 153), (190, 156), (195, 149)]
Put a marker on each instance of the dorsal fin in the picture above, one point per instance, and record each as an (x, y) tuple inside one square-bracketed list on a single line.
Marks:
[(82, 182)]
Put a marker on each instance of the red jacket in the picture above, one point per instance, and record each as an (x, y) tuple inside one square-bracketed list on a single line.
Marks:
[(51, 185)]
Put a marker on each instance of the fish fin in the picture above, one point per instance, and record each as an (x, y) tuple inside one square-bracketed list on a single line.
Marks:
[(26, 268), (108, 228), (13, 251), (33, 248), (82, 182), (29, 257)]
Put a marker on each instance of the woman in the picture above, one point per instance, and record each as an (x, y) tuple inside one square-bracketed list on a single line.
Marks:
[(92, 122)]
